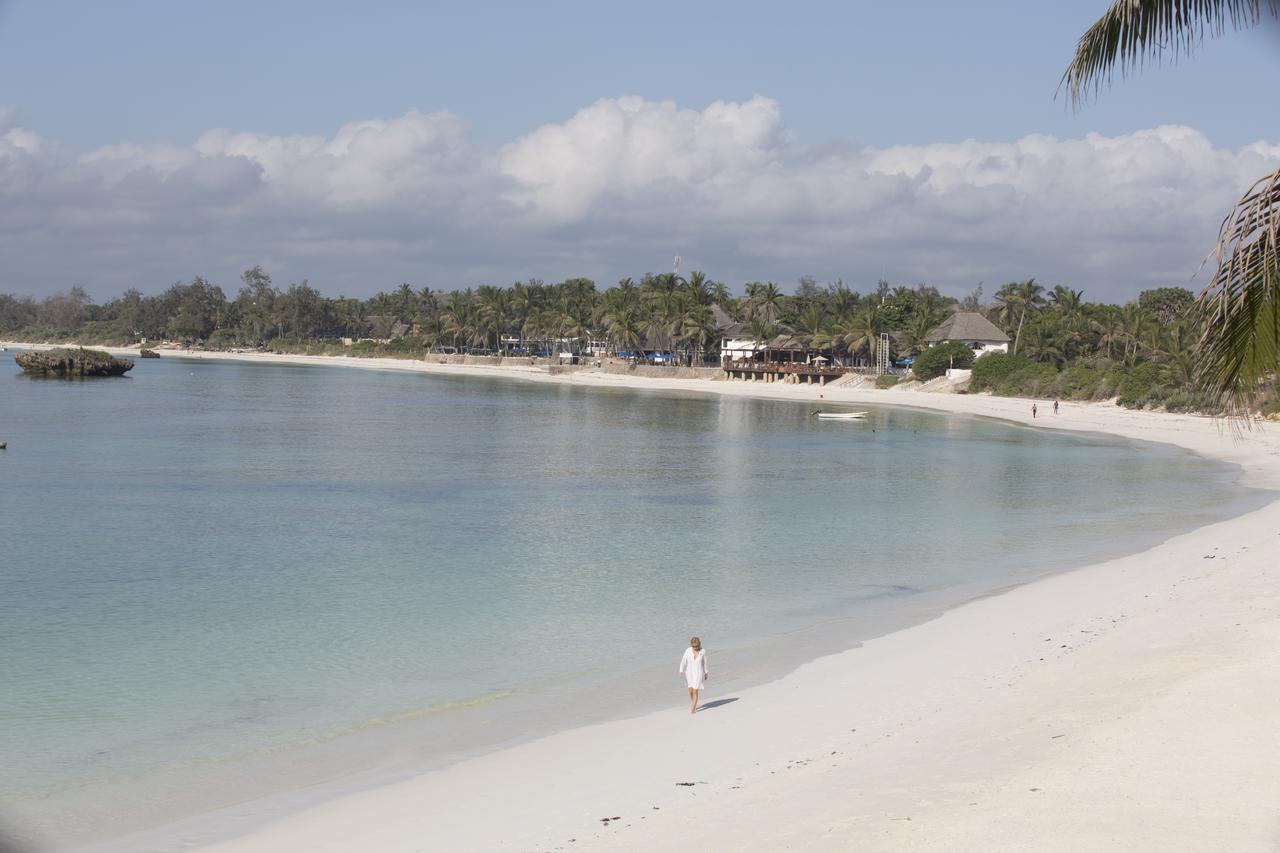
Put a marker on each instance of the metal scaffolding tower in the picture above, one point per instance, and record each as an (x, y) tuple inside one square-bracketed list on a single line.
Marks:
[(882, 354)]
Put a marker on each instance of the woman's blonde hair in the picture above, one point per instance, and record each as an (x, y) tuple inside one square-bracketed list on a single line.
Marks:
[(695, 643)]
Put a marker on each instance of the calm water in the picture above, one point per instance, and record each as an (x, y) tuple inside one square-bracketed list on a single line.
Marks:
[(204, 562)]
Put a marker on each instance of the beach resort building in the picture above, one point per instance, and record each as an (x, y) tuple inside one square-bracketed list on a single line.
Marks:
[(970, 328), (782, 358), (736, 343)]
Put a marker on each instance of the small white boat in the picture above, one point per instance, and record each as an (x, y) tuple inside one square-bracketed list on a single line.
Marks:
[(841, 416)]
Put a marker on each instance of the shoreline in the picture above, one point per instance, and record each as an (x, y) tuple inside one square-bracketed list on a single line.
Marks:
[(1086, 417), (507, 802)]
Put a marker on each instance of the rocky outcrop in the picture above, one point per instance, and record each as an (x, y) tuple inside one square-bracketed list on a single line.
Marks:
[(149, 353), (72, 363)]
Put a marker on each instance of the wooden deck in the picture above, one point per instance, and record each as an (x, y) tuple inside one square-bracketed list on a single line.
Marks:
[(791, 372)]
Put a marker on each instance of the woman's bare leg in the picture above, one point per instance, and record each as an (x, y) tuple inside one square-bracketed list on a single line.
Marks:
[(693, 700)]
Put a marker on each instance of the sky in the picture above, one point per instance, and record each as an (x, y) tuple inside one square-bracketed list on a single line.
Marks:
[(449, 145)]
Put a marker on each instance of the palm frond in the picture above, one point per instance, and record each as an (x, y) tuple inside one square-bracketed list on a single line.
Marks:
[(1240, 345), (1133, 32)]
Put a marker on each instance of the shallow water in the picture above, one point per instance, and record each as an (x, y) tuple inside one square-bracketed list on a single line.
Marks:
[(203, 562)]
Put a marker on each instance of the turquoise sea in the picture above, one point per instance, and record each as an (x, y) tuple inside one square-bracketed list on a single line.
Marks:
[(219, 579)]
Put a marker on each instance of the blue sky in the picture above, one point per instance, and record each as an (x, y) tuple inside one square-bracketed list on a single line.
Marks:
[(862, 77), (875, 73)]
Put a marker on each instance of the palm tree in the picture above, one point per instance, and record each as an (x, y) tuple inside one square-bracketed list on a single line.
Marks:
[(843, 302), (696, 331), (1046, 341), (810, 323), (1110, 328), (764, 301), (1066, 301), (863, 332), (1240, 344), (1137, 325), (461, 321), (1178, 338), (625, 330), (494, 314), (918, 328), (1019, 299), (720, 294), (699, 288), (761, 331), (1180, 370)]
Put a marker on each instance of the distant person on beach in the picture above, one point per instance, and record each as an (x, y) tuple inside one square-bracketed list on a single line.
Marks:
[(693, 666), (1033, 411), (1055, 407)]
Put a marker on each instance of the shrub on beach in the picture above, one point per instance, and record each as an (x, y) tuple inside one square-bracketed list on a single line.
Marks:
[(1018, 376), (888, 380), (997, 369), (1036, 380), (1078, 382), (1186, 400), (223, 339), (1140, 386), (934, 361)]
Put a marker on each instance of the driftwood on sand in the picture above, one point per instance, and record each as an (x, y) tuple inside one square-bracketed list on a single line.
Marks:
[(77, 362)]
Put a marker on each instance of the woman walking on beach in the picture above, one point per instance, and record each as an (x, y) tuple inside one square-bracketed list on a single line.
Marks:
[(693, 666)]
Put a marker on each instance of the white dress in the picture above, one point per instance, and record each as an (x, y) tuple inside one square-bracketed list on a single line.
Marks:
[(694, 668)]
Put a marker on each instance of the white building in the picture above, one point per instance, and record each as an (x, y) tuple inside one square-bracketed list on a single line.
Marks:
[(735, 343), (979, 333)]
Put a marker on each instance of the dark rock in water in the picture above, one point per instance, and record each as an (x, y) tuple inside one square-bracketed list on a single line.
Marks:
[(149, 353), (72, 362)]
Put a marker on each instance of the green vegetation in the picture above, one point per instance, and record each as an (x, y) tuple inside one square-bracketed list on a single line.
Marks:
[(1142, 353), (886, 381), (665, 313), (934, 361), (1239, 354), (1013, 376)]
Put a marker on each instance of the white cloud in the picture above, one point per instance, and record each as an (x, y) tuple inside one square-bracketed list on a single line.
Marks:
[(616, 189), (632, 146)]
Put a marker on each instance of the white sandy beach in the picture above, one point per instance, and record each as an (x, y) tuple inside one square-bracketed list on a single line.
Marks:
[(1127, 705)]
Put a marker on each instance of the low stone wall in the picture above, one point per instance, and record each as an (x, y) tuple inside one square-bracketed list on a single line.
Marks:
[(489, 360), (586, 363), (649, 371)]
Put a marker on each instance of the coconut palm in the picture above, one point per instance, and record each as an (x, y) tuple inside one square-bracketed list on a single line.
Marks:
[(843, 302), (696, 331), (918, 328), (810, 323), (494, 314), (764, 301), (1180, 370), (761, 331), (699, 288), (863, 332), (1018, 299), (720, 294), (1110, 329), (625, 329), (1137, 325), (1046, 341), (460, 322), (1066, 301), (1240, 344)]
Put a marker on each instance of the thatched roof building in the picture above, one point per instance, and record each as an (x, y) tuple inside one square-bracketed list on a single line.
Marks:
[(970, 328)]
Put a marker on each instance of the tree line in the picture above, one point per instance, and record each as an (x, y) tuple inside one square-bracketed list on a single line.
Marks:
[(1051, 327)]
